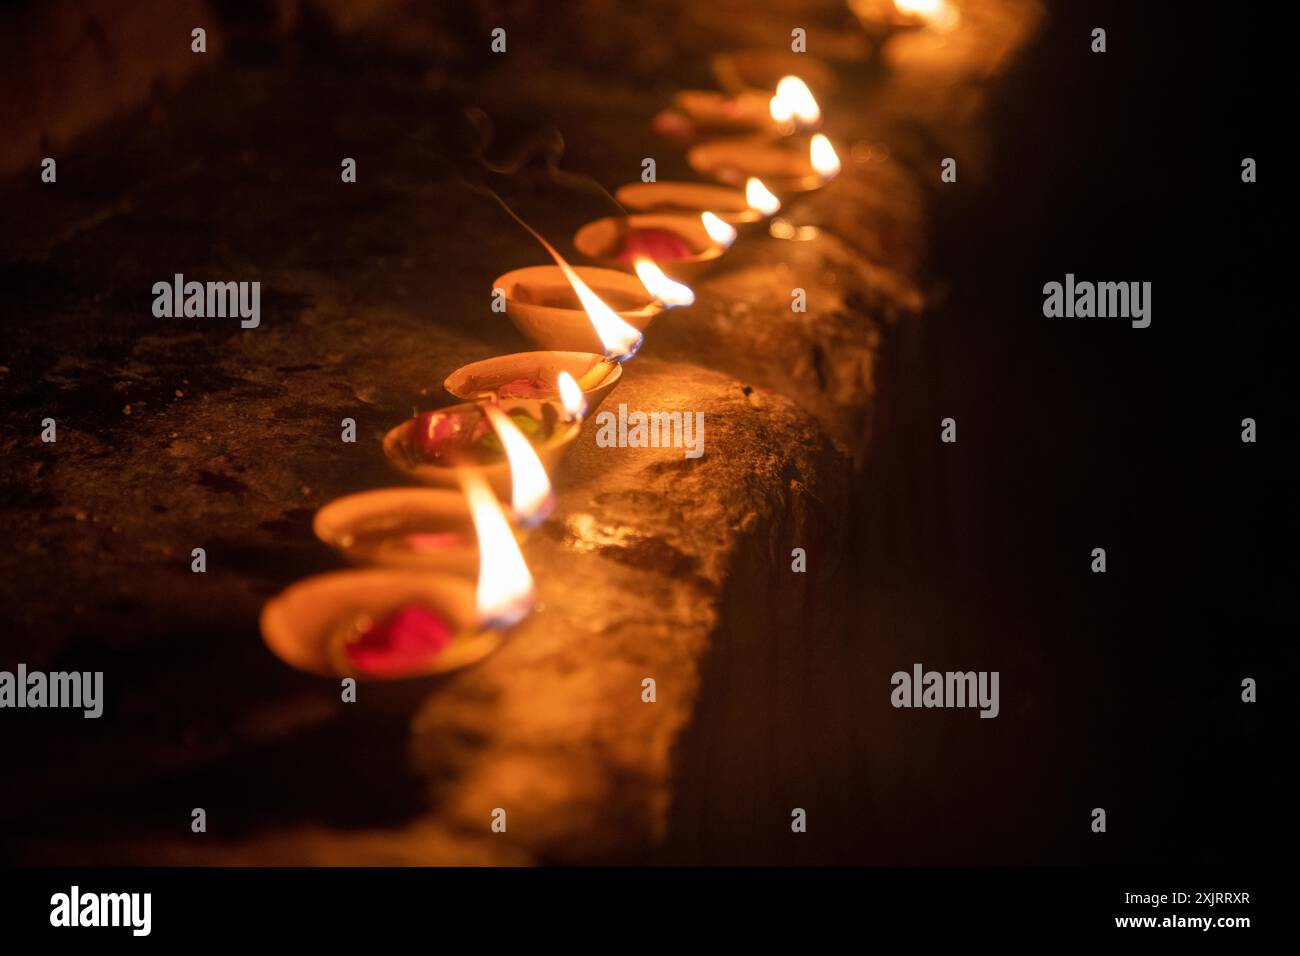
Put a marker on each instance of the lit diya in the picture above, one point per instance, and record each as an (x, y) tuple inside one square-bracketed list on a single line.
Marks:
[(785, 166), (387, 623), (512, 445), (417, 528), (696, 112), (619, 339), (544, 305), (681, 245), (537, 375), (730, 204)]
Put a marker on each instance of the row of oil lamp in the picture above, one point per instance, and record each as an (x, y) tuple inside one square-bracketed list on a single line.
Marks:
[(412, 606)]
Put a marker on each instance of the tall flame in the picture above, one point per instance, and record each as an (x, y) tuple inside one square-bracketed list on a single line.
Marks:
[(505, 586), (794, 101), (571, 397), (759, 197), (720, 232), (619, 339), (823, 157), (670, 293), (530, 489)]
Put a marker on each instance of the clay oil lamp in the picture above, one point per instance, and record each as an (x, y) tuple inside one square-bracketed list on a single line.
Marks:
[(697, 114), (732, 205), (391, 623), (544, 305), (536, 375), (682, 245), (511, 444), (785, 166), (617, 338)]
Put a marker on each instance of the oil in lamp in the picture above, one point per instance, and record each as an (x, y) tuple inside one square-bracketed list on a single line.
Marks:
[(493, 439), (681, 244), (535, 375)]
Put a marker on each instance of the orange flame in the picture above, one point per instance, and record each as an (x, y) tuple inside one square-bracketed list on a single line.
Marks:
[(571, 397), (619, 339), (720, 232), (670, 293), (823, 157), (530, 489), (759, 197), (505, 586), (793, 101)]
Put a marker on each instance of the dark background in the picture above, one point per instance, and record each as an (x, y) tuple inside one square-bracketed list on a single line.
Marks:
[(1090, 433)]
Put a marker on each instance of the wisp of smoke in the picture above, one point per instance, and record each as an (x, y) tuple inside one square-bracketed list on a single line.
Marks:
[(548, 145)]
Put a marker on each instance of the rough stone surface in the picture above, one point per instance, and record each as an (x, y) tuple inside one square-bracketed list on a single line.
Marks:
[(175, 434)]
